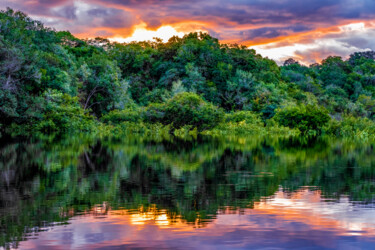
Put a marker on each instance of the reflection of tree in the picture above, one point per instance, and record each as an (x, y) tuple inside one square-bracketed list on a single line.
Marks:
[(49, 181), (95, 159)]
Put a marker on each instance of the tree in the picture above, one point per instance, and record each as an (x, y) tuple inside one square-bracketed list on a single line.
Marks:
[(308, 119), (290, 61), (101, 87), (190, 109)]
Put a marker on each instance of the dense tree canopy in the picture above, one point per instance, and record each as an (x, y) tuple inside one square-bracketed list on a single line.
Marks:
[(101, 77)]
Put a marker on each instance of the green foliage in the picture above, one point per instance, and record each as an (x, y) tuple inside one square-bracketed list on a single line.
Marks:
[(126, 115), (190, 109), (8, 105), (104, 78), (357, 127), (154, 113), (101, 81), (248, 122), (368, 104), (352, 127), (308, 119), (63, 114), (333, 71), (243, 116)]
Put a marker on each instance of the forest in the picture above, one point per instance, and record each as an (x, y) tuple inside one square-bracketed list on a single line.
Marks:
[(53, 82)]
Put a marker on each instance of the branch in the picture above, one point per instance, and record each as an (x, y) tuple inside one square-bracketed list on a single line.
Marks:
[(93, 91), (93, 104)]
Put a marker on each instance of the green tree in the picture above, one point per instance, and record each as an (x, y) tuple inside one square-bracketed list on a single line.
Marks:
[(190, 109), (308, 119)]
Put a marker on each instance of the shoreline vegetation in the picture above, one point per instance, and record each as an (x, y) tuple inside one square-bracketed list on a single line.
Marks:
[(54, 83)]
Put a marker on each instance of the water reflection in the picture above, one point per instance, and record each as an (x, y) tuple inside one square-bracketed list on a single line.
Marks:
[(285, 220), (210, 192)]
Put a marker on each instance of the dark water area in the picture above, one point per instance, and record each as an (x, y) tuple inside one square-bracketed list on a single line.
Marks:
[(202, 193)]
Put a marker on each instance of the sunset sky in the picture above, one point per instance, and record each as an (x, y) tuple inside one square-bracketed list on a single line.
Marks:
[(307, 30)]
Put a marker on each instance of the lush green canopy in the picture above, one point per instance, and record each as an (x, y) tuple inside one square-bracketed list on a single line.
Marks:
[(44, 74)]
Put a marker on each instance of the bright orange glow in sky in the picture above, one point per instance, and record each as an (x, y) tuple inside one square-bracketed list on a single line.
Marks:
[(308, 30), (141, 33)]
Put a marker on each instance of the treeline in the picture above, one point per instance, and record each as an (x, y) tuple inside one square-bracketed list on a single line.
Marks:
[(53, 82)]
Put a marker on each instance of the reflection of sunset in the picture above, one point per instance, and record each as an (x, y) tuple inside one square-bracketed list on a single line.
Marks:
[(309, 207), (150, 216), (303, 206), (153, 215), (282, 212)]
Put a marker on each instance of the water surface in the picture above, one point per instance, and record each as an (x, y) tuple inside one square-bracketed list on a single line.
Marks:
[(206, 193)]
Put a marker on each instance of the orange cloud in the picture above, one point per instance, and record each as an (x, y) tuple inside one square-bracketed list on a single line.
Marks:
[(249, 22)]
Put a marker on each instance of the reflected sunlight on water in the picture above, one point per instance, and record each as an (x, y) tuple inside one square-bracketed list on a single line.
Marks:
[(300, 215), (206, 193), (310, 207)]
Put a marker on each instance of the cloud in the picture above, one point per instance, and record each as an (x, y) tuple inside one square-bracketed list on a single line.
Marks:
[(253, 11), (311, 48), (271, 32), (68, 12), (282, 23), (79, 17)]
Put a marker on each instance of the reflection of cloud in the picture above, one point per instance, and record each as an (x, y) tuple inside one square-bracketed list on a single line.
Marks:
[(250, 22), (286, 220), (310, 207)]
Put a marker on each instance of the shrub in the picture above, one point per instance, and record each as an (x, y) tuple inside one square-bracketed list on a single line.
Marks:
[(359, 128), (63, 113), (126, 115), (8, 106), (248, 117), (154, 113), (190, 109), (308, 119), (269, 111)]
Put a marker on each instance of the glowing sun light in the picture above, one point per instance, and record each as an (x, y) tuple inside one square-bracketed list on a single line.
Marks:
[(142, 34)]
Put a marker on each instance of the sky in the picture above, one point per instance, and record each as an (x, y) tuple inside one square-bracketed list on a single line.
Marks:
[(307, 30)]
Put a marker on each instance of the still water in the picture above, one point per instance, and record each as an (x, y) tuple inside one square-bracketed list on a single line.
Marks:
[(203, 193)]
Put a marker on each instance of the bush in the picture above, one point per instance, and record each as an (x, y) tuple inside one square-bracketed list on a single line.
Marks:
[(190, 109), (63, 113), (154, 113), (8, 106), (248, 117), (308, 119), (359, 128), (126, 115)]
